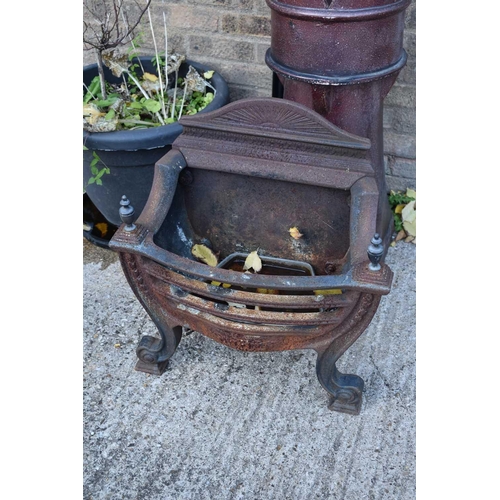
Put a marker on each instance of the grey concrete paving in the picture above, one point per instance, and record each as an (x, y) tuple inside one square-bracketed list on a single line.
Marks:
[(221, 424)]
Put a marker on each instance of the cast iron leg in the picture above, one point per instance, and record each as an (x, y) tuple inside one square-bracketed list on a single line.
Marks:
[(154, 353), (346, 390)]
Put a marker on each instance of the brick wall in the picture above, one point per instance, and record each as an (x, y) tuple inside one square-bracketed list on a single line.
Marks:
[(232, 37), (400, 116)]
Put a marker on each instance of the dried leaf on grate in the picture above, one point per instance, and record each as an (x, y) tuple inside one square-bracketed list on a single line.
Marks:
[(295, 233), (253, 262), (204, 254)]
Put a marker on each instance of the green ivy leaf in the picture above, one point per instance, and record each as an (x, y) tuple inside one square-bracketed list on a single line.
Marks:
[(152, 106), (96, 159), (105, 103), (93, 88), (398, 223)]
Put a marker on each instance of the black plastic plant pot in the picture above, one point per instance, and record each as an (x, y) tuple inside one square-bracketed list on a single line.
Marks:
[(96, 228), (131, 155)]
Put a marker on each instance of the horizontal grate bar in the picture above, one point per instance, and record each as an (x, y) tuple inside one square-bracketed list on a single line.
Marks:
[(274, 301), (187, 301)]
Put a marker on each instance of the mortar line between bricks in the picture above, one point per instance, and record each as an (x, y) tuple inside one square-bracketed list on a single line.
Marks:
[(246, 87), (236, 63), (227, 37)]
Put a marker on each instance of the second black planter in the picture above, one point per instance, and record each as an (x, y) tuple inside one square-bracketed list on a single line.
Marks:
[(131, 155)]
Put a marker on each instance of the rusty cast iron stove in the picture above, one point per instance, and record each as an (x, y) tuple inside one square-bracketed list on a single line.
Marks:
[(239, 178)]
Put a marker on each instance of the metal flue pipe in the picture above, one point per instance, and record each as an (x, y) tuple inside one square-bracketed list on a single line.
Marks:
[(341, 58)]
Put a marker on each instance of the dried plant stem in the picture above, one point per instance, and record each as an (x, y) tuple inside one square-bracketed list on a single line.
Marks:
[(125, 22), (143, 92), (126, 86), (209, 85), (88, 90), (175, 93), (158, 66), (166, 57), (100, 69), (183, 99)]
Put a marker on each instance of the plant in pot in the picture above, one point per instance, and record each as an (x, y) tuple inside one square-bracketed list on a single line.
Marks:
[(131, 107)]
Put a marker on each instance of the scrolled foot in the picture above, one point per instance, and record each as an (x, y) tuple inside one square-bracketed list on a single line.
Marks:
[(346, 390), (347, 398), (149, 352)]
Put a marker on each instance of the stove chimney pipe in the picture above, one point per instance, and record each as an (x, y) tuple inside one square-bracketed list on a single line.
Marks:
[(341, 58)]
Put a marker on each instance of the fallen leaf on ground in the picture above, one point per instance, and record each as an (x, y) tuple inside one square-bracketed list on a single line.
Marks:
[(399, 208), (411, 193), (402, 234), (203, 253), (253, 262), (409, 217), (295, 233)]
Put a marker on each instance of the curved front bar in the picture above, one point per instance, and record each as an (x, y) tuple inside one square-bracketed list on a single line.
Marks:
[(371, 282)]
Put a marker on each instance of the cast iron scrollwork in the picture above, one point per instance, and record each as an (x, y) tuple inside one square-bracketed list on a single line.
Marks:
[(154, 353), (346, 389)]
